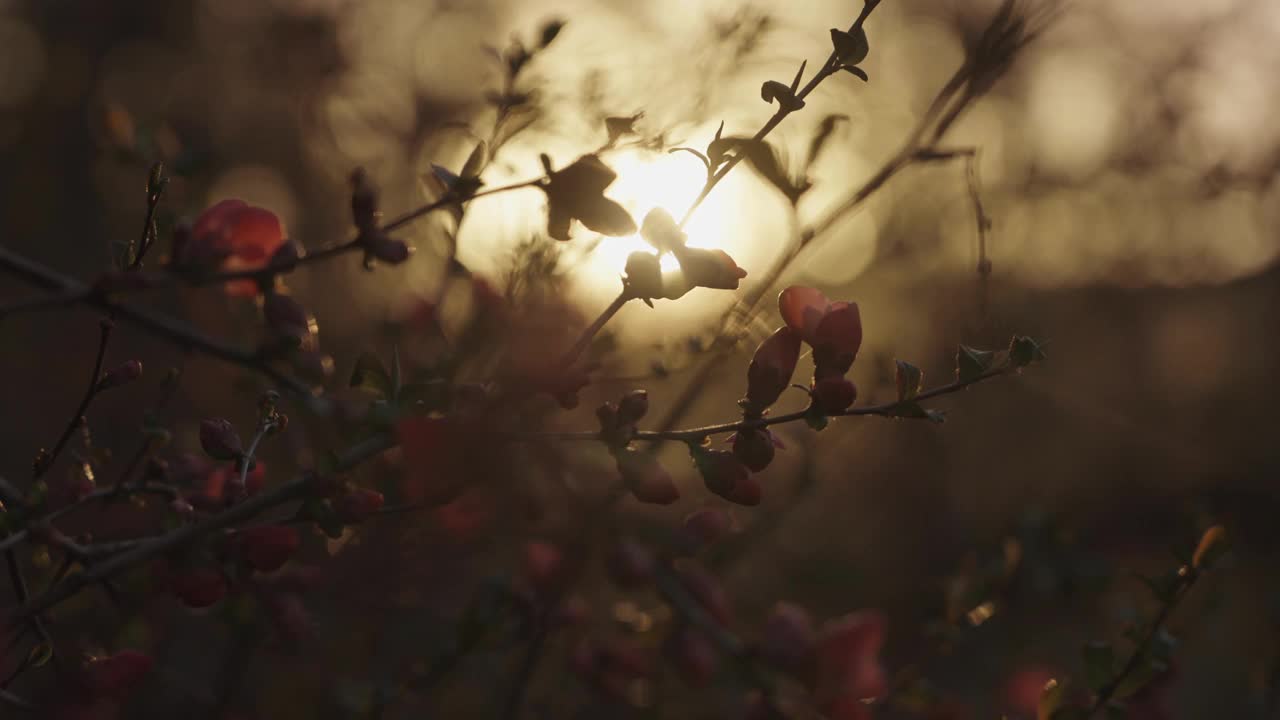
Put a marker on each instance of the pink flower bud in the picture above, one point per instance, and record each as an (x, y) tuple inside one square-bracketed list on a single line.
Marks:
[(833, 330), (631, 564), (114, 676), (695, 656), (789, 638), (754, 447), (268, 548), (772, 367), (848, 663), (544, 565), (833, 395), (237, 235), (707, 526), (124, 374), (727, 477), (220, 440), (647, 479)]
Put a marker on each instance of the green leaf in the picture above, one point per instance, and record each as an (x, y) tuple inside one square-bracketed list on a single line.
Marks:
[(971, 363), (1024, 351), (908, 378), (915, 411), (851, 48), (370, 374), (856, 72), (1099, 664)]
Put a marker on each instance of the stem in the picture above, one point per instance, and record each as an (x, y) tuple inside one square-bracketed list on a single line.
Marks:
[(77, 418), (145, 551), (264, 428), (1189, 577), (696, 434), (165, 328), (594, 329)]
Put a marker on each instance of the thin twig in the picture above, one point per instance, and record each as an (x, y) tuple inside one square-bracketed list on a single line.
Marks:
[(584, 340), (46, 460)]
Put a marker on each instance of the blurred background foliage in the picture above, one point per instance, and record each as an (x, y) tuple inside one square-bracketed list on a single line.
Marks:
[(1128, 162)]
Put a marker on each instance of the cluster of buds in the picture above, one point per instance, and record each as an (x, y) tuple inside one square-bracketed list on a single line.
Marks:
[(643, 475), (698, 267), (365, 215)]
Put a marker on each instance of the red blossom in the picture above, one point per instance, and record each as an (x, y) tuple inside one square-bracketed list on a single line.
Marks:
[(789, 638), (357, 504), (239, 236), (116, 675), (832, 329), (214, 490), (848, 662), (269, 547), (833, 394), (755, 448), (544, 565)]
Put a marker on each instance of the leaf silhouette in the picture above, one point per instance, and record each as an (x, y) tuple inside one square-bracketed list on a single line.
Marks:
[(577, 191), (851, 48), (822, 136)]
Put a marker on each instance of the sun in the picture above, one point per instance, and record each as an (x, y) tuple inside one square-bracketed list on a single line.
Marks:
[(649, 180)]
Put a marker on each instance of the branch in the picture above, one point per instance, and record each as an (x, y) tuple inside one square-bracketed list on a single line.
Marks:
[(46, 460), (147, 550)]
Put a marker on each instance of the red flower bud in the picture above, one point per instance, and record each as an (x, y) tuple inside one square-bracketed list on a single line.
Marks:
[(237, 235), (849, 667), (727, 477), (789, 639), (220, 440), (122, 375), (116, 675), (357, 504), (833, 330), (754, 447), (709, 268), (268, 548), (633, 406), (631, 564), (695, 656), (772, 367), (544, 565), (647, 479), (287, 318), (198, 587), (833, 395), (708, 526)]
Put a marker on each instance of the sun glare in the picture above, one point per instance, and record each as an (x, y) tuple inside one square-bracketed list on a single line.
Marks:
[(646, 181)]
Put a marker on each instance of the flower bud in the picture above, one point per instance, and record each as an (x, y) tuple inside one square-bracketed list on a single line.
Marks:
[(833, 395), (789, 638), (772, 367), (286, 257), (544, 565), (198, 587), (633, 406), (754, 447), (220, 440), (708, 525), (694, 655), (124, 374), (647, 479), (644, 275), (387, 250), (268, 548), (727, 477), (631, 564), (114, 676), (357, 504), (286, 317), (709, 268)]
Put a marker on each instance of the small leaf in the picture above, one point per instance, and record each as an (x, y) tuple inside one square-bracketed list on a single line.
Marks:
[(773, 90), (916, 411), (617, 127), (795, 84), (1024, 351), (694, 153), (856, 72), (971, 363), (476, 161), (825, 129), (908, 378), (550, 31), (851, 48), (1099, 664), (370, 374)]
